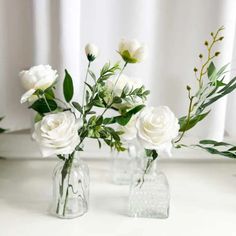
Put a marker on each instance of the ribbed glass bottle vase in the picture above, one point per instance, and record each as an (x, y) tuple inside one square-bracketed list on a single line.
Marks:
[(70, 188), (149, 193)]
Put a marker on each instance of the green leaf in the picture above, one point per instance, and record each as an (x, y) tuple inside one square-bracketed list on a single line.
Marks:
[(184, 125), (2, 130), (42, 107), (99, 143), (90, 87), (99, 120), (232, 149), (123, 120), (87, 96), (38, 117), (92, 75), (91, 112), (228, 88), (98, 103), (136, 109), (68, 88), (78, 107), (117, 100), (211, 69), (219, 83), (215, 151), (109, 120), (208, 142), (49, 93)]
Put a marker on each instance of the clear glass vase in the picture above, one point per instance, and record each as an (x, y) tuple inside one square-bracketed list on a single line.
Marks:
[(149, 192), (123, 164), (70, 188)]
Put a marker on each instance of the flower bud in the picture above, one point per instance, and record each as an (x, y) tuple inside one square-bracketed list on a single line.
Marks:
[(200, 56), (132, 51), (206, 43), (217, 54), (195, 69), (91, 51)]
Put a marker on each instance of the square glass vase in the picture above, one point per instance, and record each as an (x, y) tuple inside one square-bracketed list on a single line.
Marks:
[(149, 193)]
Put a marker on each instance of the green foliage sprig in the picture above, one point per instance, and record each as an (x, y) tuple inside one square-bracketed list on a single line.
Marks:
[(211, 87), (95, 124)]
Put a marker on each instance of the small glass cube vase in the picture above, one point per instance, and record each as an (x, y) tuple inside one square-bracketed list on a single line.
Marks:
[(123, 164), (149, 193), (70, 188)]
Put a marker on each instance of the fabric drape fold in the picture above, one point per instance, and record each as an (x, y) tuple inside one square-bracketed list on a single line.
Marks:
[(55, 32)]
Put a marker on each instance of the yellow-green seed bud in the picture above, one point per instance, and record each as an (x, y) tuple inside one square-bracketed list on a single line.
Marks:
[(195, 69), (206, 43), (200, 56), (217, 54)]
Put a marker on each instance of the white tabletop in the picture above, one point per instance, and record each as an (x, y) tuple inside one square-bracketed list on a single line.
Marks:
[(203, 201)]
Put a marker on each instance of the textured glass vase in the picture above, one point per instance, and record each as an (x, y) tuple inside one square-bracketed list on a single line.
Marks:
[(149, 193), (70, 188), (123, 164)]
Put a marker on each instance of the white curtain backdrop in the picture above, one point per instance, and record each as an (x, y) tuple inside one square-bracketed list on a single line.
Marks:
[(55, 32)]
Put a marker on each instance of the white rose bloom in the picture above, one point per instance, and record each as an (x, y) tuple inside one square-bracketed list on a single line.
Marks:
[(91, 51), (57, 133), (132, 51), (37, 77), (116, 90), (157, 127), (130, 130)]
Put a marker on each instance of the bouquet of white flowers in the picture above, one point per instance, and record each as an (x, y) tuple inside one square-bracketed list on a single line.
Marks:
[(62, 126)]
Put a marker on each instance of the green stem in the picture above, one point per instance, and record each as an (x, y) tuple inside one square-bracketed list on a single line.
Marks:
[(117, 79), (209, 58), (188, 119), (84, 89), (112, 93), (67, 165), (47, 103)]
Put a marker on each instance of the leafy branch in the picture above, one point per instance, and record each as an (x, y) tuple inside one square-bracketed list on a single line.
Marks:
[(208, 91), (220, 148)]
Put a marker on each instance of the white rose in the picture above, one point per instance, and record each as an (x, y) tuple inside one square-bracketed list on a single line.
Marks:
[(91, 51), (57, 133), (37, 77), (157, 127), (132, 51), (129, 130), (116, 90)]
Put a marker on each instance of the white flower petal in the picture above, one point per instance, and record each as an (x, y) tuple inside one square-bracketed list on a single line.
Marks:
[(27, 95), (57, 133)]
